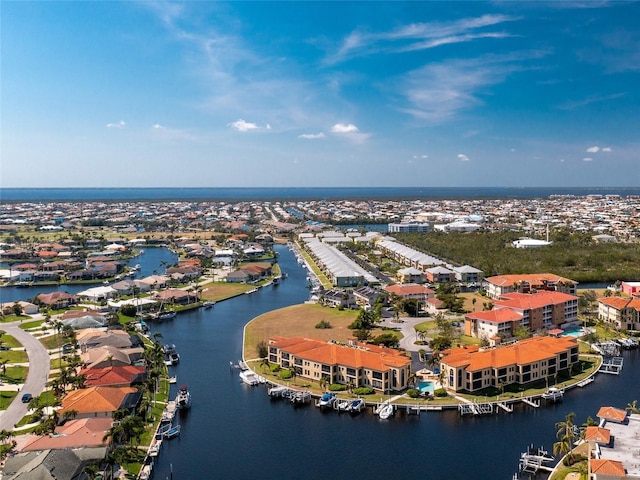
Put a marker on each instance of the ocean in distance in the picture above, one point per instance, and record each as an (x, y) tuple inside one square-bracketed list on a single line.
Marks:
[(296, 193)]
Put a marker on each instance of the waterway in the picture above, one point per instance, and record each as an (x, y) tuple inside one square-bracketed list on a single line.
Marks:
[(236, 432)]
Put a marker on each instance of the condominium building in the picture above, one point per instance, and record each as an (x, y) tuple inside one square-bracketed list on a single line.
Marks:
[(498, 285), (383, 369), (623, 312), (471, 369)]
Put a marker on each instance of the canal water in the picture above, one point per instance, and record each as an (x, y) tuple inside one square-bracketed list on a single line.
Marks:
[(236, 432)]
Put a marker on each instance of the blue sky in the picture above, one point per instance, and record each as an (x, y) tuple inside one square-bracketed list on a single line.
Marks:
[(216, 94)]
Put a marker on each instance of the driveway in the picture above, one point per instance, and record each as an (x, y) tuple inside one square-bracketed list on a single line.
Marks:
[(39, 365), (406, 326)]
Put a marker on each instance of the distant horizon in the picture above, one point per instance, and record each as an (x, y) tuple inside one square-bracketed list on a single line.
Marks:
[(232, 194)]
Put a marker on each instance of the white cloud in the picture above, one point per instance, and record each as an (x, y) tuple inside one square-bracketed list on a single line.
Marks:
[(438, 91), (418, 36), (594, 149), (166, 133), (242, 126), (424, 156), (344, 128), (463, 157), (587, 159), (157, 126), (312, 136), (607, 149), (120, 124)]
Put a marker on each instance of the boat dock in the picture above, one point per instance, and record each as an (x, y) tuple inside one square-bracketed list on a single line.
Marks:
[(533, 460), (531, 402), (585, 382), (475, 408), (612, 365)]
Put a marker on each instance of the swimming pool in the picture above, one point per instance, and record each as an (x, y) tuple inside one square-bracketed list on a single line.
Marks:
[(573, 332), (425, 387)]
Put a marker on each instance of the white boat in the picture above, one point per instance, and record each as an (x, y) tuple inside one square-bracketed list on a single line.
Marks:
[(172, 432), (248, 377), (173, 379), (183, 399), (553, 394), (326, 400), (208, 304), (343, 405), (356, 405), (385, 411)]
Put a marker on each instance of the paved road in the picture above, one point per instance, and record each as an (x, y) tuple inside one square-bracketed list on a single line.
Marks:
[(406, 325), (39, 365)]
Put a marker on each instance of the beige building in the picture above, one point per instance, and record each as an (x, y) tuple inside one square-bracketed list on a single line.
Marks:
[(471, 369), (383, 369), (498, 285), (622, 312)]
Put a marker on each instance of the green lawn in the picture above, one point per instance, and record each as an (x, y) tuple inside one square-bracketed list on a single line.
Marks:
[(14, 356)]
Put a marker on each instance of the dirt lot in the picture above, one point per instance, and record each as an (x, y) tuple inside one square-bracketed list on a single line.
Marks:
[(298, 320)]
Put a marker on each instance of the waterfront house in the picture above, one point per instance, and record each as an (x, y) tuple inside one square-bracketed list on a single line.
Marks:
[(471, 369), (107, 356), (381, 368), (622, 312), (100, 402), (630, 288), (336, 298), (80, 319), (76, 433), (541, 310), (498, 285), (118, 376), (57, 300)]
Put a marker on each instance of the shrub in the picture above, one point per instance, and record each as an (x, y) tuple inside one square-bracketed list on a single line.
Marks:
[(363, 391), (440, 392), (413, 393), (573, 458), (323, 324), (337, 387), (285, 374), (128, 310), (274, 367)]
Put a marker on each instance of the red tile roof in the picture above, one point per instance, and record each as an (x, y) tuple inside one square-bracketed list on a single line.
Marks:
[(409, 289), (530, 278), (532, 301), (95, 399), (500, 315), (607, 467), (78, 433), (612, 414), (598, 435), (367, 356), (521, 353)]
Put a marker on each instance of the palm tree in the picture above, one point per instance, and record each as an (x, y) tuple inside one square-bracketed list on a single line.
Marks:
[(565, 431), (633, 407), (562, 447)]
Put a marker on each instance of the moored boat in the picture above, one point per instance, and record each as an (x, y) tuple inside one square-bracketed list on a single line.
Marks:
[(183, 399), (208, 304), (553, 394), (326, 400), (249, 378), (356, 405), (385, 411)]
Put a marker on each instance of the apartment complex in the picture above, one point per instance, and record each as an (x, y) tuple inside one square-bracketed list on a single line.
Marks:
[(623, 312), (536, 311), (471, 369), (383, 369)]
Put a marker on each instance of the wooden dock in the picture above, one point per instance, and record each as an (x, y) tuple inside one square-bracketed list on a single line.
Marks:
[(531, 402)]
